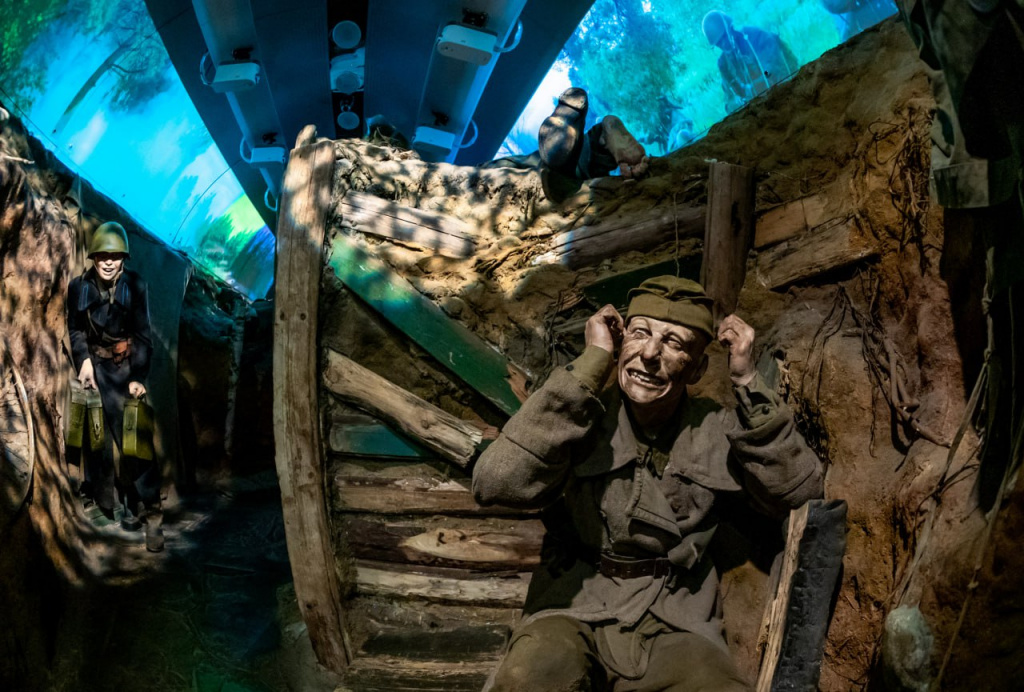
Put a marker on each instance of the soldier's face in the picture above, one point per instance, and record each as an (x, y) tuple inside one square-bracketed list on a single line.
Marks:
[(658, 359), (108, 264)]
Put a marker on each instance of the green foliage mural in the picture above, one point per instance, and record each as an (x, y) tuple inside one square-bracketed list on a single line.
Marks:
[(650, 63), (92, 80), (24, 21)]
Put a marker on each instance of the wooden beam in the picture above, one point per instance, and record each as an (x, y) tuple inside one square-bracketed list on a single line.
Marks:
[(800, 215), (507, 592), (589, 245), (478, 544), (383, 495), (468, 356), (434, 231), (773, 625), (298, 452), (437, 430), (804, 257), (728, 234)]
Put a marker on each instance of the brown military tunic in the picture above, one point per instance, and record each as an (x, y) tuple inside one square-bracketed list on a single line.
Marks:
[(620, 494)]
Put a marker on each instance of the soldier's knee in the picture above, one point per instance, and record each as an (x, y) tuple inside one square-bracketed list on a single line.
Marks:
[(549, 655)]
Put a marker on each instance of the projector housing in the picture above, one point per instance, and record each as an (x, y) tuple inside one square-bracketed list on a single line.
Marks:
[(235, 76), (466, 44)]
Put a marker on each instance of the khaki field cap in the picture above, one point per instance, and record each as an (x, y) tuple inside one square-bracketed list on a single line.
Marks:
[(110, 237), (673, 299)]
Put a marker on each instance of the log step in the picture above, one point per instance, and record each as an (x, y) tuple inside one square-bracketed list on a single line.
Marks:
[(484, 544), (461, 645), (441, 585), (407, 489), (387, 674)]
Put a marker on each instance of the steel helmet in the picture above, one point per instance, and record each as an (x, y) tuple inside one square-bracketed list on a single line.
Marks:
[(110, 237), (715, 26)]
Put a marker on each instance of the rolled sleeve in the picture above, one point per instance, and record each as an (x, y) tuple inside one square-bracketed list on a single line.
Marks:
[(758, 403)]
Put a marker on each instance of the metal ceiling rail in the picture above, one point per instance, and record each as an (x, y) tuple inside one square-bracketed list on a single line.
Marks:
[(233, 67)]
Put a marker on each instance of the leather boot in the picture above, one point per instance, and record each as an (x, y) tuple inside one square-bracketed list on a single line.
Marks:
[(132, 520), (560, 139)]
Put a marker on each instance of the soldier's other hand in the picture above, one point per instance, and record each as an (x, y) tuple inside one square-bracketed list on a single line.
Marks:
[(738, 336), (604, 329), (137, 389), (86, 376)]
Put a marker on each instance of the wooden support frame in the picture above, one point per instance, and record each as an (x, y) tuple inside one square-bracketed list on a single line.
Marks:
[(434, 231), (728, 234), (453, 439), (468, 356), (804, 257), (298, 450), (590, 245)]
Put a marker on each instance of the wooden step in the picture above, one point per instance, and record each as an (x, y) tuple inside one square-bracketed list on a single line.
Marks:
[(482, 544), (403, 488), (388, 674), (441, 585)]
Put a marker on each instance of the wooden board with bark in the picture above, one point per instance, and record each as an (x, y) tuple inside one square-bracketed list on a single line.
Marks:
[(433, 231), (453, 439)]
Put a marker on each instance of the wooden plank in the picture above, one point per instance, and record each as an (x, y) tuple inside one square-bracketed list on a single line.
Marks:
[(728, 234), (800, 215), (395, 674), (478, 544), (468, 356), (457, 646), (437, 430), (812, 254), (374, 440), (508, 592), (589, 245), (441, 233), (773, 626), (409, 496), (298, 451)]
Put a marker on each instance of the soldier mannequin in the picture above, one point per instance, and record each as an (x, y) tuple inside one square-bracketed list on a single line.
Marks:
[(108, 322), (628, 470)]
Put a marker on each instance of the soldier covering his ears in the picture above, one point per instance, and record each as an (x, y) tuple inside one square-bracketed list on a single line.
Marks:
[(628, 470)]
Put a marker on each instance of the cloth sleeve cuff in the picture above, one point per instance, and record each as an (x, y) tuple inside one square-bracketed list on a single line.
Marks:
[(758, 404), (592, 368)]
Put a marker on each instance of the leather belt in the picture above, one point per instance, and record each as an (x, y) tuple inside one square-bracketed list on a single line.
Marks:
[(118, 351), (626, 568)]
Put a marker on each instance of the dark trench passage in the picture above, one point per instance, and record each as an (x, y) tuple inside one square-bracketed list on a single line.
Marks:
[(216, 614)]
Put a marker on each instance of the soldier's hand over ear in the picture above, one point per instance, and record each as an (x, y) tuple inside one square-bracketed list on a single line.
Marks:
[(738, 336), (604, 329), (86, 376)]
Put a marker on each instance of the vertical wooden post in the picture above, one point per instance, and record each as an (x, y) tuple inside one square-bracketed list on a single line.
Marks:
[(728, 234), (305, 201)]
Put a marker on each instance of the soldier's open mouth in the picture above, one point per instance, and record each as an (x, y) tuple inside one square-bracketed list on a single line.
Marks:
[(645, 378)]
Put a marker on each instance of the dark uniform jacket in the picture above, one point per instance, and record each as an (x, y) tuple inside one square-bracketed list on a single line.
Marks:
[(627, 498), (98, 319)]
